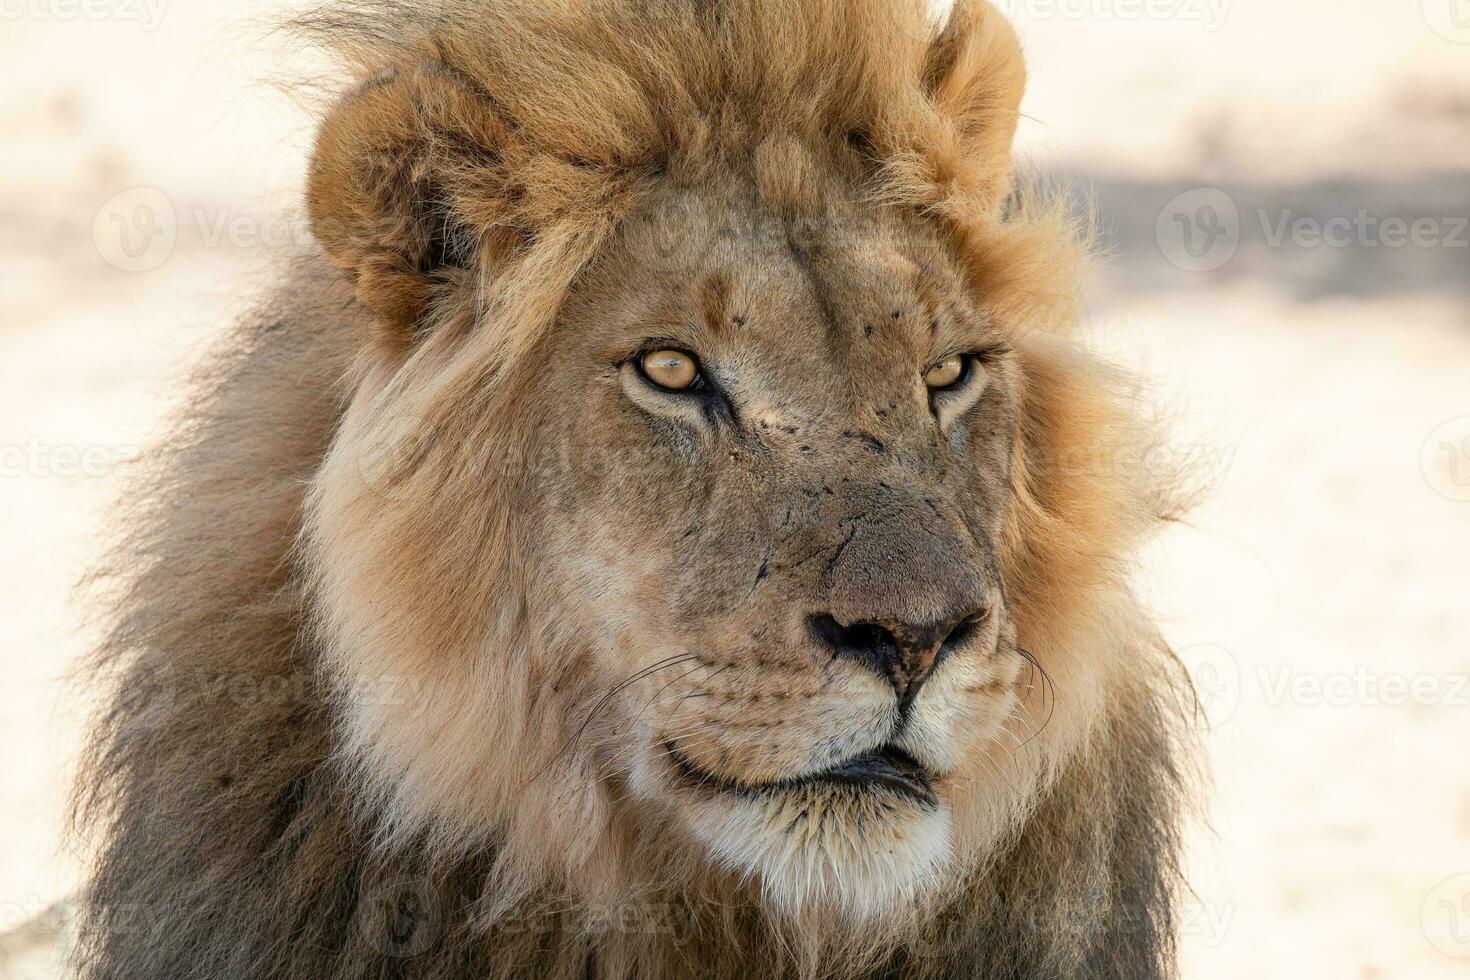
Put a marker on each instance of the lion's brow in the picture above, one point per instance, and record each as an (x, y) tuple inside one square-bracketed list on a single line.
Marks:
[(714, 302)]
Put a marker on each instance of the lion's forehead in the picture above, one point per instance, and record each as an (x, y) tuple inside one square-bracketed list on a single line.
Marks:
[(794, 317)]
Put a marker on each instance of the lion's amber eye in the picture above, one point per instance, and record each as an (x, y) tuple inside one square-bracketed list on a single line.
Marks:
[(675, 370), (946, 373)]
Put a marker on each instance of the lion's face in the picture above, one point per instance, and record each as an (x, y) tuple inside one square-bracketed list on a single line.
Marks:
[(773, 474), (765, 476), (676, 488)]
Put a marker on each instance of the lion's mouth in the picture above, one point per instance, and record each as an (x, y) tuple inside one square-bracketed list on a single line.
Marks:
[(886, 769)]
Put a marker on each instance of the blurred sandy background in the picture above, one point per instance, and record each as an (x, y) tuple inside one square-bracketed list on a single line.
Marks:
[(1284, 189)]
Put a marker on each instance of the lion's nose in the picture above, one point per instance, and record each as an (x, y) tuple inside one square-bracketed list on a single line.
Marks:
[(903, 653)]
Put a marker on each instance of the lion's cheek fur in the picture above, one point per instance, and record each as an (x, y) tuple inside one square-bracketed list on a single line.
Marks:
[(451, 732), (409, 683)]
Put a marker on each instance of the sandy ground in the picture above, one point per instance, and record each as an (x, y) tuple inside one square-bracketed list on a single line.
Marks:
[(1320, 373)]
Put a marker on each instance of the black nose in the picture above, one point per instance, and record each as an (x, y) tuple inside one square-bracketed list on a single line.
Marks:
[(903, 653)]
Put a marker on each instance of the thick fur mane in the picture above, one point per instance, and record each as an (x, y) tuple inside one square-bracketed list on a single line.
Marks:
[(234, 835)]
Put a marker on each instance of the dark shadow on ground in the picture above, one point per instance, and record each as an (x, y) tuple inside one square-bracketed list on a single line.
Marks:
[(1354, 238)]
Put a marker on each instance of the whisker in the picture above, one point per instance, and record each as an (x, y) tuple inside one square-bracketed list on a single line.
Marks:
[(1047, 686), (603, 702)]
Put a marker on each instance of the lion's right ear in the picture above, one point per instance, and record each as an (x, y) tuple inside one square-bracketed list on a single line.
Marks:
[(976, 75), (405, 190)]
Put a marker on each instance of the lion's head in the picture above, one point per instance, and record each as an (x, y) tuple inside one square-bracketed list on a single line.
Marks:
[(750, 583), (682, 484), (716, 505)]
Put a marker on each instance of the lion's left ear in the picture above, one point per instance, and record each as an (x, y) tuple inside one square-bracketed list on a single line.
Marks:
[(406, 190), (975, 75)]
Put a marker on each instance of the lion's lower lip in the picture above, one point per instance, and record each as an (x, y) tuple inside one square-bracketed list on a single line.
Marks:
[(887, 768)]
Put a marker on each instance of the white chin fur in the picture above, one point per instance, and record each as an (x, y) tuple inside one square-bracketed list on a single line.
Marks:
[(864, 856), (868, 869)]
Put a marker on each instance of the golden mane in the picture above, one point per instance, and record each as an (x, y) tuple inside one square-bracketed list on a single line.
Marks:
[(542, 122)]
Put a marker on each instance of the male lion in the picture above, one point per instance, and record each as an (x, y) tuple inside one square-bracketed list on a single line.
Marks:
[(667, 532)]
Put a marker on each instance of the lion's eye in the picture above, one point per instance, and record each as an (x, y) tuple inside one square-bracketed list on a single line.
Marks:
[(947, 373), (675, 370)]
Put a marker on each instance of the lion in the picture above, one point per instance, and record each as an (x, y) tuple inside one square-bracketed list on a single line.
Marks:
[(669, 527)]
